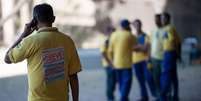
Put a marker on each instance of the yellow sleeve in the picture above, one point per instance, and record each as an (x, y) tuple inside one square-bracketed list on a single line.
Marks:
[(171, 36), (177, 37), (177, 42), (74, 62), (103, 48), (111, 46), (22, 51)]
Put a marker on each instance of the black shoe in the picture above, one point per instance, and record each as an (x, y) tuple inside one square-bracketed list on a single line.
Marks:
[(156, 99), (143, 99), (175, 98), (110, 100)]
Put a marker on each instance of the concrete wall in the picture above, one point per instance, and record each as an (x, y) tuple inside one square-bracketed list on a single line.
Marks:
[(186, 16)]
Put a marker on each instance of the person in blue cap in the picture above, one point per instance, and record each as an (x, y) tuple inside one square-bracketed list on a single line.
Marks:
[(120, 53)]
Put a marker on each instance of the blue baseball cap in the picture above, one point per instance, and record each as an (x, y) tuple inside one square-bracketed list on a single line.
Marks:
[(124, 23)]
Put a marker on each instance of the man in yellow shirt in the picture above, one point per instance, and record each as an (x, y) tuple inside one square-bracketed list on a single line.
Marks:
[(140, 59), (120, 50), (110, 72), (53, 62), (171, 46)]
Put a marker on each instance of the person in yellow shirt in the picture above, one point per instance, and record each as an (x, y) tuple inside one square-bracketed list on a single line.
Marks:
[(53, 62), (140, 60), (120, 52), (110, 72), (171, 46)]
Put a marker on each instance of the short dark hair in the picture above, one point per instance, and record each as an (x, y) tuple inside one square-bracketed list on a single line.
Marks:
[(44, 13), (158, 21), (167, 16), (158, 16), (110, 29), (138, 21)]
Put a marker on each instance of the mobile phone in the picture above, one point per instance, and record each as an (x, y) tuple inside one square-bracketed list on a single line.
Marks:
[(33, 22)]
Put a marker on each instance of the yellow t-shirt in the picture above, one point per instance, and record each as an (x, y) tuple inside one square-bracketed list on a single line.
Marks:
[(52, 58), (140, 56), (171, 39), (104, 49), (120, 49)]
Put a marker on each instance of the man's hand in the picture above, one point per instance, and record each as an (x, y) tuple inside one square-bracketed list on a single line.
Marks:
[(111, 64), (138, 48), (107, 59), (141, 48), (29, 28)]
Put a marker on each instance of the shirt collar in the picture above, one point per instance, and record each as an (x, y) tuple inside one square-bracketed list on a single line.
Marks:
[(169, 25), (47, 29)]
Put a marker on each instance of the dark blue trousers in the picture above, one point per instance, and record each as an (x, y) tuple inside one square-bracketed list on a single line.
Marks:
[(143, 75), (157, 66), (110, 83), (169, 77), (124, 78)]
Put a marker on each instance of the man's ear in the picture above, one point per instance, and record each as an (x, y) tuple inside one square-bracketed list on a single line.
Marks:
[(53, 19)]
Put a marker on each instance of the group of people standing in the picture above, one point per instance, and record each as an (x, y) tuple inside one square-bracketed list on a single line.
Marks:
[(152, 57)]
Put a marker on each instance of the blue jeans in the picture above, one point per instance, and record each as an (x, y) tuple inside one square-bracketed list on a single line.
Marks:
[(157, 66), (169, 78), (124, 78), (143, 75), (110, 83)]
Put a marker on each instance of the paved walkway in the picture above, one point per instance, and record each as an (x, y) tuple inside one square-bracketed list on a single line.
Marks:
[(13, 81)]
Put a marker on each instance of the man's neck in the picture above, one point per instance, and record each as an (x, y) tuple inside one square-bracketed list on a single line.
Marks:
[(167, 24), (139, 32), (159, 27), (127, 29), (42, 25)]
